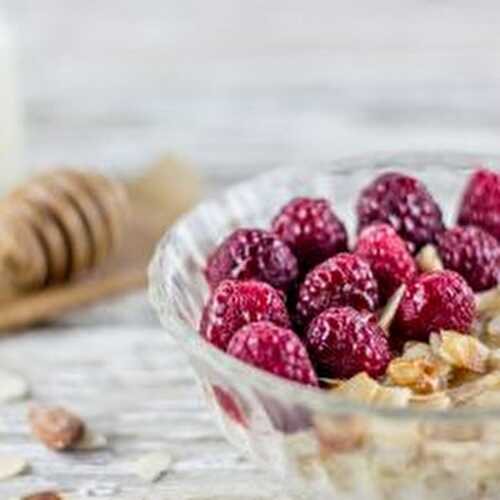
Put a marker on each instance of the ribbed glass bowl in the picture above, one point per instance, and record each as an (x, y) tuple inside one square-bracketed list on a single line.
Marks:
[(317, 445)]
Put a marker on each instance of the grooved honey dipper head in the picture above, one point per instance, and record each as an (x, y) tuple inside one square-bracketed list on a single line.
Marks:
[(60, 224)]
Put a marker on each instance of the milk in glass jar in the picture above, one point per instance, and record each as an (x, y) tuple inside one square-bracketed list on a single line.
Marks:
[(12, 170)]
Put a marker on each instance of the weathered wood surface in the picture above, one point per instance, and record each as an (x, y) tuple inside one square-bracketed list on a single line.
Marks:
[(236, 87)]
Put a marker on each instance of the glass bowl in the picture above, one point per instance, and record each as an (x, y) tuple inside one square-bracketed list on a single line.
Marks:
[(318, 445)]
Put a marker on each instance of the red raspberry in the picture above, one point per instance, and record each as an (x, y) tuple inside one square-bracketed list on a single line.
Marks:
[(230, 405), (405, 204), (481, 202), (274, 349), (435, 301), (311, 230), (388, 256), (235, 304), (253, 254), (473, 253), (343, 280), (343, 342)]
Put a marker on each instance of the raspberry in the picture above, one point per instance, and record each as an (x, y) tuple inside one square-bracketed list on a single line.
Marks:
[(343, 280), (473, 253), (435, 301), (405, 204), (311, 230), (388, 256), (274, 349), (230, 405), (253, 254), (235, 304), (481, 202), (343, 342)]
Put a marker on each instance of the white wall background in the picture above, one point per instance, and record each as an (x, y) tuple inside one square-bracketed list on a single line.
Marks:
[(242, 85)]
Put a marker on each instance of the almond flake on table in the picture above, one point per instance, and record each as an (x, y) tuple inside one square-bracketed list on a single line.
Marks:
[(91, 441), (12, 466), (153, 466), (12, 387)]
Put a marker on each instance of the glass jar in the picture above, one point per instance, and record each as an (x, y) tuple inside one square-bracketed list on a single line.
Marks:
[(11, 169)]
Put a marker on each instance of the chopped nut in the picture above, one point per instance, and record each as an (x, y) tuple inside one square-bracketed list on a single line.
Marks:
[(12, 387), (488, 302), (416, 350), (361, 388), (463, 351), (340, 434), (364, 389), (421, 375), (153, 467), (11, 466), (428, 259), (389, 312), (57, 428)]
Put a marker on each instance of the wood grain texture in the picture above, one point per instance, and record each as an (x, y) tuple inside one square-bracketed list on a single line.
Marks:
[(237, 87)]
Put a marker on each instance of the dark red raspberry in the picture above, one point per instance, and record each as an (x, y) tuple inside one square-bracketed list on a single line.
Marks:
[(435, 301), (253, 254), (481, 202), (405, 204), (235, 304), (274, 349), (311, 230), (343, 280), (343, 342), (388, 256), (473, 253)]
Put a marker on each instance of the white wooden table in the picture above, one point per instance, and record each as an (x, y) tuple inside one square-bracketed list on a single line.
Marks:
[(236, 87)]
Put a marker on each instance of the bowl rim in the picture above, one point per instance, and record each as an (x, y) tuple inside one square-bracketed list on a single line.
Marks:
[(294, 393)]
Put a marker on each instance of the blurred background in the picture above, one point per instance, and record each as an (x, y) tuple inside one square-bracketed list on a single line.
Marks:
[(240, 86)]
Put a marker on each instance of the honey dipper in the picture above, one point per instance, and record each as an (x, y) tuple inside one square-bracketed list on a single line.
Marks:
[(58, 226)]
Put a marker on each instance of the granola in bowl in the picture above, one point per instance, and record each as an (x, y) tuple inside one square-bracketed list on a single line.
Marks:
[(370, 367)]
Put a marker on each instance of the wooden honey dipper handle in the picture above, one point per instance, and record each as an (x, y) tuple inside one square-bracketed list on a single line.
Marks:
[(59, 225)]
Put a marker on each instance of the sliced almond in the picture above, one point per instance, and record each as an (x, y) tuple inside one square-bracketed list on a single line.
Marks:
[(11, 466), (466, 392), (488, 302), (91, 441), (12, 387), (153, 466), (463, 351), (363, 388), (435, 401), (390, 310), (340, 434), (45, 495), (428, 259), (422, 375), (493, 330), (57, 428), (417, 350)]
